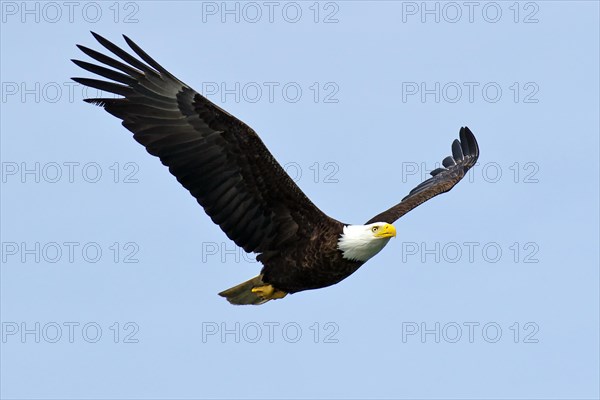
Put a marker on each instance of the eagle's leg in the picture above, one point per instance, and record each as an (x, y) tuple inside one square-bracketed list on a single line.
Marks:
[(268, 292)]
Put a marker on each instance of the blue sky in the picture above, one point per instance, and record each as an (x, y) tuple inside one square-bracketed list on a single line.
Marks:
[(110, 269)]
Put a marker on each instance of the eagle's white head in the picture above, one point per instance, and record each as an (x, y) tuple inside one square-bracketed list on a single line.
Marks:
[(361, 242)]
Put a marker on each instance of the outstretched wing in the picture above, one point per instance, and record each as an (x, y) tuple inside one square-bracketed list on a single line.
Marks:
[(464, 155), (218, 158)]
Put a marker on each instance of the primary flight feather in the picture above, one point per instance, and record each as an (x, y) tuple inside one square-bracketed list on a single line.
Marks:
[(227, 168)]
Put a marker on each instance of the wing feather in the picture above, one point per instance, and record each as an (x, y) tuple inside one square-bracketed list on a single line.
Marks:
[(464, 155), (218, 158)]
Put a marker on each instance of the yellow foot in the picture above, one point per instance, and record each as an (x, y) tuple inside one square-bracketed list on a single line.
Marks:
[(268, 292)]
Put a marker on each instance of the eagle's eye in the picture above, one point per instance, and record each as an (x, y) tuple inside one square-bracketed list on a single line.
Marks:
[(375, 228)]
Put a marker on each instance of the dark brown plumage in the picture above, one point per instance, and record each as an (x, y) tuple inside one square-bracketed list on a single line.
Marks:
[(227, 168)]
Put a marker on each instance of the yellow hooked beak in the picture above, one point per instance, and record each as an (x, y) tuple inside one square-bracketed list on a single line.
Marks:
[(386, 231)]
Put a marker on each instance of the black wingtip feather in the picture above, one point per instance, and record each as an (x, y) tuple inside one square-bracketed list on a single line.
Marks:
[(448, 162), (457, 152), (106, 73), (122, 54), (98, 102), (472, 142), (464, 142), (105, 86), (465, 148), (144, 56), (98, 37), (469, 142)]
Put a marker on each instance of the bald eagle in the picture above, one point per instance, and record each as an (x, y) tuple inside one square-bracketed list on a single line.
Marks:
[(243, 189)]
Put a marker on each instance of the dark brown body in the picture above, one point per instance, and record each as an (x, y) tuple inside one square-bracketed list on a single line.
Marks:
[(310, 264)]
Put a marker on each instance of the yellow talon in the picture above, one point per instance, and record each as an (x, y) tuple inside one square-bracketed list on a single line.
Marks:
[(263, 291), (268, 292)]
